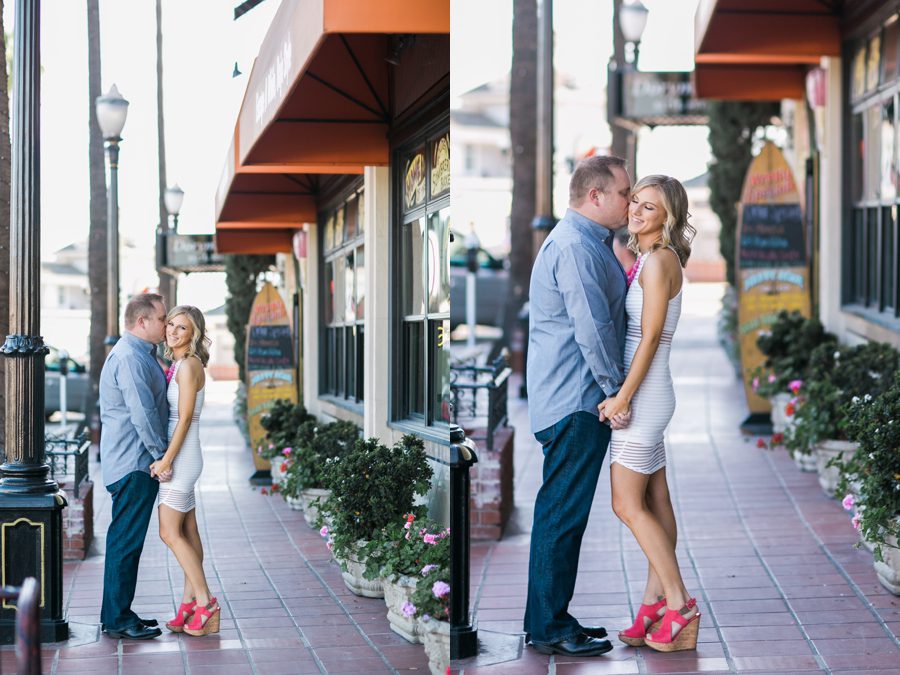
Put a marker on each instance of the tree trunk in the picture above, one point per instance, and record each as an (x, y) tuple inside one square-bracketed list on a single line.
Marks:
[(166, 281), (619, 146), (4, 228), (523, 140), (97, 259)]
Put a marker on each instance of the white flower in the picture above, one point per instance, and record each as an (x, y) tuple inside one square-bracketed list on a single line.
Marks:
[(837, 355), (854, 400), (867, 398)]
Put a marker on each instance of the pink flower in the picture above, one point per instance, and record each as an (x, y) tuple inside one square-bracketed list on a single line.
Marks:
[(287, 452), (408, 609), (794, 386), (259, 450), (429, 539), (848, 502), (755, 383), (324, 531), (271, 446), (855, 521), (789, 409), (440, 589), (771, 378), (760, 443), (427, 569)]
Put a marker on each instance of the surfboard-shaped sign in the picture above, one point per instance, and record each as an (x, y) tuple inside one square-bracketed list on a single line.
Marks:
[(772, 265), (270, 365)]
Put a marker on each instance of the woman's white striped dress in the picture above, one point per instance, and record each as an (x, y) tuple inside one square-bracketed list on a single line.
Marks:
[(178, 493), (640, 446)]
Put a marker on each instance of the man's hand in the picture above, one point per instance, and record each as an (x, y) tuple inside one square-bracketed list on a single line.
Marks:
[(161, 470), (615, 410)]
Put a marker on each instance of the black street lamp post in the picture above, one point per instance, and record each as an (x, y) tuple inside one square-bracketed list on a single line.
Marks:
[(463, 627), (112, 110), (31, 502)]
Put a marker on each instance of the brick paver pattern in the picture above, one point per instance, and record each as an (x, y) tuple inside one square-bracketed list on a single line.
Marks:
[(769, 557), (285, 609)]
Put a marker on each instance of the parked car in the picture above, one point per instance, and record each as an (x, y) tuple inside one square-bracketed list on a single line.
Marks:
[(78, 385), (491, 286)]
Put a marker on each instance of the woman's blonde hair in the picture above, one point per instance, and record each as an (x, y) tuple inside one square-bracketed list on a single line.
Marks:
[(200, 342), (677, 232)]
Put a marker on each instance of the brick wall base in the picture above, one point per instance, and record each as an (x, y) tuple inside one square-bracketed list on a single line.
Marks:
[(492, 485), (78, 523)]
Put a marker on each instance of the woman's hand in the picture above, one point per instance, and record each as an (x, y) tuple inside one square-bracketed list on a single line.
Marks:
[(617, 410), (162, 470)]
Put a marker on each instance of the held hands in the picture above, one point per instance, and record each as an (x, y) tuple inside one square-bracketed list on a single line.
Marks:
[(617, 411), (161, 470)]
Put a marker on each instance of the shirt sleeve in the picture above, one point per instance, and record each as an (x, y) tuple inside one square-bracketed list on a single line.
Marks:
[(583, 282), (139, 399)]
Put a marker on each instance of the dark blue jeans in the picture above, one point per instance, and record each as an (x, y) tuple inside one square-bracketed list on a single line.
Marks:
[(132, 505), (574, 449)]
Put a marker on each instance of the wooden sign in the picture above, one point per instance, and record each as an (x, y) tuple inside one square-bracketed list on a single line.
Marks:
[(270, 364), (772, 265)]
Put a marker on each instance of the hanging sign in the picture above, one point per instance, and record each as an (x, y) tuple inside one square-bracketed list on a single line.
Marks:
[(772, 265), (271, 374)]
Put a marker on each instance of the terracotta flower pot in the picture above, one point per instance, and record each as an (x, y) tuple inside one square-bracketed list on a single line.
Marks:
[(436, 637), (398, 591), (824, 452)]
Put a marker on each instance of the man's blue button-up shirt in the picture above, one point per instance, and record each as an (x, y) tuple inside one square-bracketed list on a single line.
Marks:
[(133, 409), (576, 334)]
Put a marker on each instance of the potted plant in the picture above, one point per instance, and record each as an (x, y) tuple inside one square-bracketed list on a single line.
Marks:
[(281, 424), (870, 477), (401, 553), (787, 348), (430, 604), (371, 486), (316, 443)]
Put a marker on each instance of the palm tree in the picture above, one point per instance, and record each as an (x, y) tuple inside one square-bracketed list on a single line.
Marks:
[(4, 227), (166, 281), (97, 238), (523, 138)]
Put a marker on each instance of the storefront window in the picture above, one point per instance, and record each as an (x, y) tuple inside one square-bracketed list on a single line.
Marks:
[(423, 299), (873, 65), (872, 158), (343, 263), (859, 72), (888, 156)]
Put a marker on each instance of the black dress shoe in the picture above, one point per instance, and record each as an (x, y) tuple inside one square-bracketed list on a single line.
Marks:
[(590, 631), (138, 632), (580, 645), (154, 623)]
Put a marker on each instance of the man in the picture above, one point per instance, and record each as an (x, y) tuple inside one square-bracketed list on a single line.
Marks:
[(575, 344), (134, 413)]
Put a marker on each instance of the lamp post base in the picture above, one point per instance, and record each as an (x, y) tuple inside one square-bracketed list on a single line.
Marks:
[(463, 641), (31, 534)]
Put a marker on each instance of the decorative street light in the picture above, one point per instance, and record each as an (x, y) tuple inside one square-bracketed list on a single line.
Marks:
[(112, 110), (632, 20), (31, 502), (173, 198)]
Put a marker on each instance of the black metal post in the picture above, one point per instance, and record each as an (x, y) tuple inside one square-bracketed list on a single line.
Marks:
[(112, 245), (463, 626), (31, 503), (543, 212)]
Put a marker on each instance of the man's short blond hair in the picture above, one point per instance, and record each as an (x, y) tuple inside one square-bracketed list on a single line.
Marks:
[(140, 305), (593, 172)]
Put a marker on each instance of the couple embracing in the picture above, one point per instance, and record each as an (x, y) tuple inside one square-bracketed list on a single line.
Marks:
[(598, 377), (151, 446)]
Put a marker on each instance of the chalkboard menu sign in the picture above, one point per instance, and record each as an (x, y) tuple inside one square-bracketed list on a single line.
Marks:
[(771, 236), (269, 347)]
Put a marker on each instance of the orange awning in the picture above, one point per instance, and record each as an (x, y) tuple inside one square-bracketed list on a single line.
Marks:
[(759, 50), (317, 102)]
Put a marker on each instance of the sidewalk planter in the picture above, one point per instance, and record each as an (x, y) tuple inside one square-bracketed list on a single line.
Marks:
[(295, 503), (397, 592), (308, 505), (889, 571), (805, 461), (352, 570), (780, 420), (436, 637), (278, 470), (824, 452)]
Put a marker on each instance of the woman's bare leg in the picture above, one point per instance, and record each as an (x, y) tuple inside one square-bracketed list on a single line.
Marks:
[(170, 531), (192, 534), (659, 504)]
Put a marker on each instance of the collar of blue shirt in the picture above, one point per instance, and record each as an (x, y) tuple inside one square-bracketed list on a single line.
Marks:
[(140, 343), (590, 227)]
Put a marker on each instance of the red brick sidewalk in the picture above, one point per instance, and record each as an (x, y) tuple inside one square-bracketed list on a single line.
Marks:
[(285, 608), (769, 557)]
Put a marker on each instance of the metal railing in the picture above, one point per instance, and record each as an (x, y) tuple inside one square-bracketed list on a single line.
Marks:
[(28, 625), (60, 450), (480, 393)]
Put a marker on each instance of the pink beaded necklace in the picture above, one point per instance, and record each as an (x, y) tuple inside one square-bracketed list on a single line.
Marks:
[(170, 372), (635, 268)]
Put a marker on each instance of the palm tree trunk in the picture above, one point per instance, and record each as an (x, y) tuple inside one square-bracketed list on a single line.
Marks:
[(4, 227), (97, 259), (166, 281)]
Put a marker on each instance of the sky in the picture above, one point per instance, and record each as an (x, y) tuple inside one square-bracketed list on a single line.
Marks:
[(201, 43)]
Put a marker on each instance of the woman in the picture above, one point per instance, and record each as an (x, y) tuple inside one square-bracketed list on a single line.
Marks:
[(187, 347), (668, 619)]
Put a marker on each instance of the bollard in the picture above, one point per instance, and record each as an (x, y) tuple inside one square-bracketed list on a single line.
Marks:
[(463, 630), (28, 628)]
